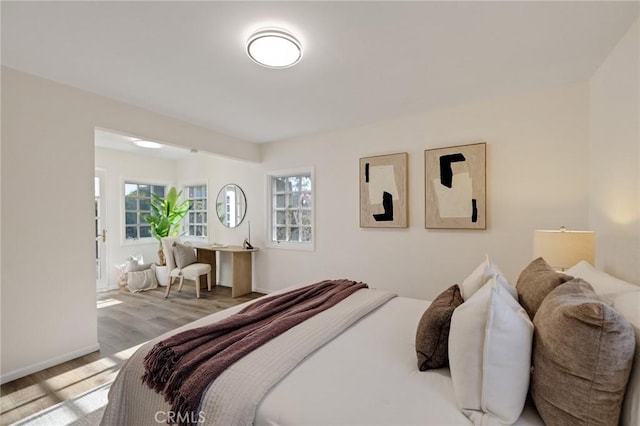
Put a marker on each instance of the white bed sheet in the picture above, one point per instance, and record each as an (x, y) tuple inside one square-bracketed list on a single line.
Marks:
[(368, 376)]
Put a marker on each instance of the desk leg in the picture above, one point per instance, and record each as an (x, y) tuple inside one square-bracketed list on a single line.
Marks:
[(241, 274), (209, 257)]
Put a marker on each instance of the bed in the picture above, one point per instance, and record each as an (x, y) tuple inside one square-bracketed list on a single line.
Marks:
[(365, 375)]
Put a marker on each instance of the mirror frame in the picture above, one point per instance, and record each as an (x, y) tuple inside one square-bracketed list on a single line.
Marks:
[(223, 202)]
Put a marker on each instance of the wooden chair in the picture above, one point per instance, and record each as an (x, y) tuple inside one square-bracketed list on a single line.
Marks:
[(191, 272)]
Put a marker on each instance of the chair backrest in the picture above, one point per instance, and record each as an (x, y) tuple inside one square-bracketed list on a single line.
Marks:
[(167, 248)]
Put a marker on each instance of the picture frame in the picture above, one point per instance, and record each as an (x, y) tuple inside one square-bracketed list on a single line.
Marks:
[(383, 191), (455, 187)]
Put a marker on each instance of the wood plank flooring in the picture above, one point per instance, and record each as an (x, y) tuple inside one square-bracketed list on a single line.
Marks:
[(125, 321)]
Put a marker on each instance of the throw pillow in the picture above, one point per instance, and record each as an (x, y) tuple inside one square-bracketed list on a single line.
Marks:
[(535, 282), (479, 277), (131, 265), (432, 335), (624, 297), (603, 284), (144, 266), (183, 254), (583, 351), (627, 304), (490, 354)]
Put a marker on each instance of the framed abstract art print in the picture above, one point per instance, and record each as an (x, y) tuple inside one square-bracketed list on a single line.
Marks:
[(455, 187), (383, 191)]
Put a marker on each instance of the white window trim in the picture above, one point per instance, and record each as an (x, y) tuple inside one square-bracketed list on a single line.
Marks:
[(183, 223), (123, 236), (288, 245)]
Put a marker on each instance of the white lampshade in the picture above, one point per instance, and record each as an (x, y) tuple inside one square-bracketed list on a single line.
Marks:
[(562, 249)]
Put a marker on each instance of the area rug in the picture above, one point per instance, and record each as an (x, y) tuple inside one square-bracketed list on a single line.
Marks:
[(83, 410)]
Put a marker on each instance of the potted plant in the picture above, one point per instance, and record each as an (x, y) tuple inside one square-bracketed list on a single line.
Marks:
[(165, 217)]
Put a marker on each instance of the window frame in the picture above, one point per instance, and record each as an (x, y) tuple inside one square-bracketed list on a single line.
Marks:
[(124, 241), (185, 221), (271, 210)]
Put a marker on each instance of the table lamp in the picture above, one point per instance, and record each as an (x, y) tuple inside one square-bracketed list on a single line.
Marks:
[(562, 249)]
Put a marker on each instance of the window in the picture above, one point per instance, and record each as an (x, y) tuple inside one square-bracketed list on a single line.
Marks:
[(292, 208), (197, 219), (137, 204)]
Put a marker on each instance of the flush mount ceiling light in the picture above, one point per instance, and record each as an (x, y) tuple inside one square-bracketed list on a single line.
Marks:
[(147, 144), (274, 48)]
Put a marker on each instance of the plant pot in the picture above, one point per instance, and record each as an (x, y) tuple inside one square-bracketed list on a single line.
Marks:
[(162, 275)]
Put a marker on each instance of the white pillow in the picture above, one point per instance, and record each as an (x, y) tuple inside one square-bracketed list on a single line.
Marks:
[(603, 284), (479, 277), (490, 354), (131, 265)]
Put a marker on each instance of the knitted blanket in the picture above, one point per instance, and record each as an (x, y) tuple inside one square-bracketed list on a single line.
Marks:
[(183, 366)]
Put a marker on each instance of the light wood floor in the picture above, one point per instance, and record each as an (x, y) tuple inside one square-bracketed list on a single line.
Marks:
[(125, 321)]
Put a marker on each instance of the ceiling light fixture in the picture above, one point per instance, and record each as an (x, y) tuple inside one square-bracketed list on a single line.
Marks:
[(147, 144), (274, 48)]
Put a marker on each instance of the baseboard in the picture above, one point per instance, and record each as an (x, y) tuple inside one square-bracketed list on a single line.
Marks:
[(34, 368), (262, 290)]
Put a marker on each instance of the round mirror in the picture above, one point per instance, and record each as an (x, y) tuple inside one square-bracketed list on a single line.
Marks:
[(231, 205)]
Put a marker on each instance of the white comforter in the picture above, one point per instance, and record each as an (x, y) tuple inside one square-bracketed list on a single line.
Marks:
[(368, 376)]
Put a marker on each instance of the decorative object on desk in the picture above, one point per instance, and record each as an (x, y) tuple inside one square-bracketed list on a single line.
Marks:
[(562, 248), (231, 205), (165, 217), (246, 244), (455, 187), (383, 191)]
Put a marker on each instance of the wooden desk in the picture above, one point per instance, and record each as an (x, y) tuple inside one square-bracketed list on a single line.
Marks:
[(240, 261)]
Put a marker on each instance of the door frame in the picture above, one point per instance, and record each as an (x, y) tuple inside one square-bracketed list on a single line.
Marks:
[(102, 282)]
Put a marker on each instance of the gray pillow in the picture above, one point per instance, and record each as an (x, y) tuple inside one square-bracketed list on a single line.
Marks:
[(582, 355), (184, 255), (535, 282), (432, 335)]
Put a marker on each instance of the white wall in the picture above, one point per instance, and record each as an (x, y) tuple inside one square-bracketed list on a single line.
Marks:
[(120, 166), (217, 171), (614, 159), (536, 179), (48, 310), (48, 303)]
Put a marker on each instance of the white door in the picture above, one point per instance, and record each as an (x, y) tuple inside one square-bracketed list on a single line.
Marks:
[(100, 231)]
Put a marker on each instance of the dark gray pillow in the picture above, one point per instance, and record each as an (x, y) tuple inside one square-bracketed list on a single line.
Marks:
[(432, 336), (582, 356), (535, 282), (183, 254)]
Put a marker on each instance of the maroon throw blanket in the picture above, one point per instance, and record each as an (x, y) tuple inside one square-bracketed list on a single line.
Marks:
[(182, 366)]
